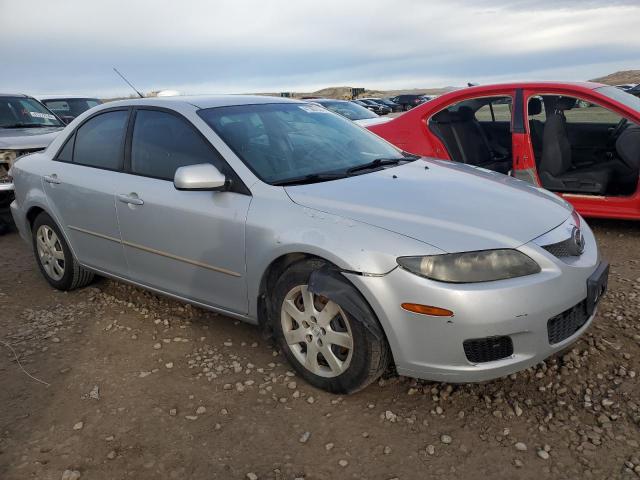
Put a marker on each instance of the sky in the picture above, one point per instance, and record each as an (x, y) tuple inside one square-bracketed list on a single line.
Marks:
[(240, 46)]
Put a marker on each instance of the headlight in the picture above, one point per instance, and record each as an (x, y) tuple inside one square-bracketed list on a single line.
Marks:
[(7, 157), (471, 267)]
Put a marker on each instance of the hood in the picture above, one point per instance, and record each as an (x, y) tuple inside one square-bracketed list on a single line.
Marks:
[(27, 138), (367, 122), (450, 206)]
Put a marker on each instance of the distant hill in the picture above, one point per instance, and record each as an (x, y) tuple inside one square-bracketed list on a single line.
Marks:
[(620, 78)]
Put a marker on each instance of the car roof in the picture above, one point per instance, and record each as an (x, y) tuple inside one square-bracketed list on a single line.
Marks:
[(43, 98), (203, 101), (531, 84), (14, 95)]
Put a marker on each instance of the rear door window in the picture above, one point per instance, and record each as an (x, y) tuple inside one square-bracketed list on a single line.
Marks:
[(497, 110), (100, 141)]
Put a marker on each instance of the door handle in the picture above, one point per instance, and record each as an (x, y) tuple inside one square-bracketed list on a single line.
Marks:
[(131, 199), (53, 178)]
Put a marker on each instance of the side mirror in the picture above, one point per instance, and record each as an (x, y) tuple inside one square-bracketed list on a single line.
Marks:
[(202, 176)]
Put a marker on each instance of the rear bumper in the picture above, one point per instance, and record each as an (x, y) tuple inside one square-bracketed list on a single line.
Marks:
[(432, 347)]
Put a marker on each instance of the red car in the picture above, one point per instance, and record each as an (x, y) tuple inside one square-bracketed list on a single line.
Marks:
[(580, 140)]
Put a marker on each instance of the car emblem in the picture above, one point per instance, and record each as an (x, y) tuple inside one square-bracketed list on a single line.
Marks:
[(578, 240)]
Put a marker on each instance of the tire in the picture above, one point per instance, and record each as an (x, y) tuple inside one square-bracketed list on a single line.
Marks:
[(356, 359), (54, 258)]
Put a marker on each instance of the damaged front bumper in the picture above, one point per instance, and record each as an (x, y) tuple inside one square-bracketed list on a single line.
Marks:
[(497, 328)]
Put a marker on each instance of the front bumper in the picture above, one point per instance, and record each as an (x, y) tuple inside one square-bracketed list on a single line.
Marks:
[(432, 347), (6, 187)]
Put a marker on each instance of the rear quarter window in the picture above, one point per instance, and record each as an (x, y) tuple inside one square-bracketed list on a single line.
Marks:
[(66, 154)]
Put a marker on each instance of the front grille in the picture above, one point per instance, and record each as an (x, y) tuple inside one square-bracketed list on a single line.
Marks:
[(488, 349), (565, 248), (567, 323)]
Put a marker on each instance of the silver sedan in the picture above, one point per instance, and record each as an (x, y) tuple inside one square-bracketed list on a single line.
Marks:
[(354, 254)]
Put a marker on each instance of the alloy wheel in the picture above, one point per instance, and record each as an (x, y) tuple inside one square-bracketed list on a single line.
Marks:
[(50, 252), (317, 332)]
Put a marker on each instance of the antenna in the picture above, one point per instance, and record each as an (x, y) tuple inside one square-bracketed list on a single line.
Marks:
[(128, 82)]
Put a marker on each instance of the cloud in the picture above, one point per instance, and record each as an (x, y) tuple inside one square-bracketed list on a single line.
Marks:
[(251, 45)]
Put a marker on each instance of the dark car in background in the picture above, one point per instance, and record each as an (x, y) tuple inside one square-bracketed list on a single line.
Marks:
[(634, 91), (393, 107), (408, 101), (383, 109), (373, 106), (625, 87), (351, 110), (69, 107)]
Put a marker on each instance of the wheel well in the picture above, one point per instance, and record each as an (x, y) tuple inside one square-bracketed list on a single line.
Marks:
[(270, 277), (32, 214)]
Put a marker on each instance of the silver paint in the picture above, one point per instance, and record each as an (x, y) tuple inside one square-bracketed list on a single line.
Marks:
[(360, 224)]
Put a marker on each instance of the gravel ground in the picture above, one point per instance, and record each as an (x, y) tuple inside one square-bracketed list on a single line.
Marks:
[(142, 387)]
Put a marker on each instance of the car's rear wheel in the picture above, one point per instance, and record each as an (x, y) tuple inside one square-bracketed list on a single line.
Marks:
[(328, 347), (54, 258)]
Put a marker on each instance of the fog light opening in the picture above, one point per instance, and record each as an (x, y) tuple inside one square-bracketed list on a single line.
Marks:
[(427, 310)]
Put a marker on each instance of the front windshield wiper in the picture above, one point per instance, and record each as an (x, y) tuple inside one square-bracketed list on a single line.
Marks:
[(311, 178), (28, 125), (381, 162)]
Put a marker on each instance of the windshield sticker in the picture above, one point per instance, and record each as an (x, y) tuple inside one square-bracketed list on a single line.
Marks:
[(48, 116), (313, 108)]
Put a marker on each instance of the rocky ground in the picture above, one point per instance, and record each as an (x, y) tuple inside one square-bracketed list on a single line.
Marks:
[(136, 386)]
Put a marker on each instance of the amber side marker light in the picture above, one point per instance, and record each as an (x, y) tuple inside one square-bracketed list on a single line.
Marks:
[(427, 310)]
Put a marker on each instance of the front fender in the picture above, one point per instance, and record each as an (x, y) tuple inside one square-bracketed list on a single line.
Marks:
[(277, 226)]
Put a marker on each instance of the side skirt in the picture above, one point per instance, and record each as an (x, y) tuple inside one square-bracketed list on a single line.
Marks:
[(212, 308)]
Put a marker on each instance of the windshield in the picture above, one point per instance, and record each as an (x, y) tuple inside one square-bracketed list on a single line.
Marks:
[(71, 106), (348, 109), (284, 141), (23, 112), (621, 96)]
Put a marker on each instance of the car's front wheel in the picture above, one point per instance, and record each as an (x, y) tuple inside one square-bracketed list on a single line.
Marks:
[(328, 347), (54, 258)]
